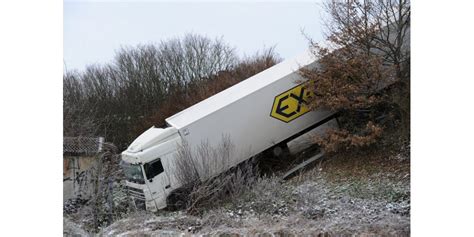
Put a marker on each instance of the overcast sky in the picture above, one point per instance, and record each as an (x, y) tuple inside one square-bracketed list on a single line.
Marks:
[(94, 31)]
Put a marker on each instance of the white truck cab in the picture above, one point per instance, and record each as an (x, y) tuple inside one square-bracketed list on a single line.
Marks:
[(148, 167)]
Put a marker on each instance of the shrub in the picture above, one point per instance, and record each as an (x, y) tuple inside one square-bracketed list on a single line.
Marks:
[(367, 57), (204, 186)]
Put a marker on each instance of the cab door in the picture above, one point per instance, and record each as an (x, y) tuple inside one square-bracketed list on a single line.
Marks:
[(158, 181)]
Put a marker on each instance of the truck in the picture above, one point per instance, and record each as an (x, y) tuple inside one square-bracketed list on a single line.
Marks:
[(261, 113)]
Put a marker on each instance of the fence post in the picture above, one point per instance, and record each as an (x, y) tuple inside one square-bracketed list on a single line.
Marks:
[(110, 200)]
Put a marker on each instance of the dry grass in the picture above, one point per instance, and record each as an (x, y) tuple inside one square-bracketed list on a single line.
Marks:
[(357, 201), (363, 192), (203, 186)]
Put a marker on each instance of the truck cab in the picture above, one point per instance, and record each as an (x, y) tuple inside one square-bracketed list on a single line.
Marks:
[(148, 166)]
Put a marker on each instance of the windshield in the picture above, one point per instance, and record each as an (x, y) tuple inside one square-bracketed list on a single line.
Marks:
[(133, 172)]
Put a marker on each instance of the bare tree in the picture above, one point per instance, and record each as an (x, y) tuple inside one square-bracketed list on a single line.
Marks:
[(194, 58), (367, 49), (371, 26), (77, 120), (147, 83)]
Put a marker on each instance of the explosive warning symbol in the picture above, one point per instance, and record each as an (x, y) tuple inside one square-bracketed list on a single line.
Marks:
[(291, 104)]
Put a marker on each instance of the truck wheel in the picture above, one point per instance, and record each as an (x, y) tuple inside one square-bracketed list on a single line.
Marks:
[(176, 201), (280, 150)]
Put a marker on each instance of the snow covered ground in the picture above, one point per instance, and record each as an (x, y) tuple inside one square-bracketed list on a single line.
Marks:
[(362, 193)]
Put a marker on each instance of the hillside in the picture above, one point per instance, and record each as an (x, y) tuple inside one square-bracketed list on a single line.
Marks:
[(363, 192)]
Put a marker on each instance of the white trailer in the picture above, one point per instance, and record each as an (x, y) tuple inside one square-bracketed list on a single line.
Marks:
[(259, 113)]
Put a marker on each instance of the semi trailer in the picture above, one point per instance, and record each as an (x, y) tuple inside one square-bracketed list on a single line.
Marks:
[(261, 113)]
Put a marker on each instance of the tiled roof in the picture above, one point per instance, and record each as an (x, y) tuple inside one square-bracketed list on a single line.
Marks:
[(82, 145)]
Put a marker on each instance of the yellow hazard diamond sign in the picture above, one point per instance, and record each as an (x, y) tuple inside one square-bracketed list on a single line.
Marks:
[(291, 104)]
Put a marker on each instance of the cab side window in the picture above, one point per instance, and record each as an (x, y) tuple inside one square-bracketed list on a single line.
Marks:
[(153, 168)]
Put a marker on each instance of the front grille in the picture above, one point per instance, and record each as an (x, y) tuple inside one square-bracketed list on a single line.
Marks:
[(136, 193), (138, 197)]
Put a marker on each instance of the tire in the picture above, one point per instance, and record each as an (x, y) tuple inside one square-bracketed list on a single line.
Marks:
[(176, 201), (280, 151)]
